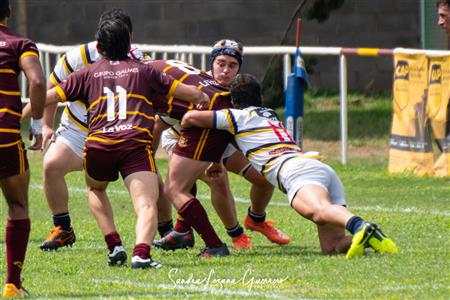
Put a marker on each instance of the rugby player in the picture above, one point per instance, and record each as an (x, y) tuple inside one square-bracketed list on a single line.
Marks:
[(119, 94), (313, 188), (65, 152), (225, 62), (17, 54)]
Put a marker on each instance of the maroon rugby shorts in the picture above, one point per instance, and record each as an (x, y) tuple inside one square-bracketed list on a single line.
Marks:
[(13, 160), (202, 144), (104, 165)]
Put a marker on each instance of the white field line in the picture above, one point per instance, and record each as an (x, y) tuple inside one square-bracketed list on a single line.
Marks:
[(379, 208), (195, 289)]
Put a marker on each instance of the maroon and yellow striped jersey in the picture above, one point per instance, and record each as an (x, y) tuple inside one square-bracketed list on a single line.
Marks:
[(120, 97), (13, 48), (189, 75)]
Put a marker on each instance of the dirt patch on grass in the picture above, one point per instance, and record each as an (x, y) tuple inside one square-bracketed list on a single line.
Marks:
[(373, 149)]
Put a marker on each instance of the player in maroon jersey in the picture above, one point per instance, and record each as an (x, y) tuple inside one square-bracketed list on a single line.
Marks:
[(225, 62), (119, 96), (16, 54)]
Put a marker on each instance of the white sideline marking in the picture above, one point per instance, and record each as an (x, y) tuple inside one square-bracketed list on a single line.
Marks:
[(274, 203), (196, 289)]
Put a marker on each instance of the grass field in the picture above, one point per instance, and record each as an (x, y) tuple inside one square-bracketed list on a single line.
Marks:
[(413, 211)]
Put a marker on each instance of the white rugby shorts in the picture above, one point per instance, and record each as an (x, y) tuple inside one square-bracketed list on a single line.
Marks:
[(168, 140), (298, 172), (73, 138)]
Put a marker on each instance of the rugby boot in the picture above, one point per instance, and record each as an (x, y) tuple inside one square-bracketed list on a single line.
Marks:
[(242, 242), (360, 240), (141, 263), (117, 256), (176, 240), (58, 238), (381, 243), (214, 252), (11, 291), (270, 231)]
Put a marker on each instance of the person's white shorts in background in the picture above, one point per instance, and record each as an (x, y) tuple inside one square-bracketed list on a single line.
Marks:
[(229, 150), (169, 140), (298, 172), (72, 138)]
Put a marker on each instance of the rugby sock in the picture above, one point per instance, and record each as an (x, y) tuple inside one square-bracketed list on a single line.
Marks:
[(16, 238), (354, 224), (112, 240), (235, 231), (180, 225), (165, 227), (142, 250), (195, 216), (62, 220), (256, 218)]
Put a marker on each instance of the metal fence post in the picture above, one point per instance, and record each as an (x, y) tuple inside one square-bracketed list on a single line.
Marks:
[(343, 102)]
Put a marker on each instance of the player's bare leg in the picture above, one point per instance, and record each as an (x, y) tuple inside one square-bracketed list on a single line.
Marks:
[(165, 224), (15, 191), (183, 172), (144, 191), (313, 202), (332, 239), (58, 161), (100, 205), (223, 202), (103, 213), (221, 197), (260, 195)]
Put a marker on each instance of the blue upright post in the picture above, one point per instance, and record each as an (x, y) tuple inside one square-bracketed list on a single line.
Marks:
[(296, 85)]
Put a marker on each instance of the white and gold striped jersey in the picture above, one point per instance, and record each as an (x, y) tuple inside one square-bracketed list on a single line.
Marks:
[(261, 137), (75, 115)]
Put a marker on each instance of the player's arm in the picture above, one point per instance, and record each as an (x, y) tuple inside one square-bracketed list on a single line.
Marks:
[(55, 95), (26, 111), (33, 71), (197, 118), (191, 94)]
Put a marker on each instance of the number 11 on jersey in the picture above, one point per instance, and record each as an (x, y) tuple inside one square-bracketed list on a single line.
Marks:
[(110, 103)]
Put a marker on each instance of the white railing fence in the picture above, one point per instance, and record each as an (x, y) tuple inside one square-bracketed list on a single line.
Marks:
[(198, 56)]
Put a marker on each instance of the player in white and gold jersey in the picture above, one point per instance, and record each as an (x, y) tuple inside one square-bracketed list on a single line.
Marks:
[(313, 188)]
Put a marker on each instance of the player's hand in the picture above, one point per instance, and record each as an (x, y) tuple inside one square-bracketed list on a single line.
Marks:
[(35, 134), (36, 141), (214, 170), (203, 102), (48, 135)]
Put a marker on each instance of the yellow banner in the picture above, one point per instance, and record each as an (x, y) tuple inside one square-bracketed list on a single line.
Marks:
[(421, 94), (438, 110), (411, 149)]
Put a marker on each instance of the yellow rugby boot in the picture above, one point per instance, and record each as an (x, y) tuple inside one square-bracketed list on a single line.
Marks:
[(11, 291)]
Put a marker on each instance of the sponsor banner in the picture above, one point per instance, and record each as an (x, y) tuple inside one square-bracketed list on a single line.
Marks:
[(410, 142), (421, 95), (438, 110)]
